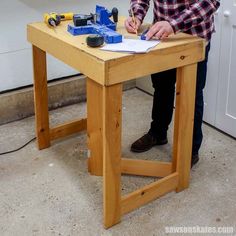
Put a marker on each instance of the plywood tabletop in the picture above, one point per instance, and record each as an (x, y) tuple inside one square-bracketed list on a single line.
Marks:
[(60, 33), (106, 67)]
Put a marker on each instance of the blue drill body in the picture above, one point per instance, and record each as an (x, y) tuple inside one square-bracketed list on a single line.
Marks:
[(103, 26)]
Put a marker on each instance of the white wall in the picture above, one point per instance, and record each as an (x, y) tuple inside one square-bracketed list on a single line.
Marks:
[(15, 51)]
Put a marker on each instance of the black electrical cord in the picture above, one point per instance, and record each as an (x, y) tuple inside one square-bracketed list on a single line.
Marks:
[(15, 150)]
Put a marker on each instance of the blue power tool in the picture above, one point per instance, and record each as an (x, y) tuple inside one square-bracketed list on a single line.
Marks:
[(98, 23)]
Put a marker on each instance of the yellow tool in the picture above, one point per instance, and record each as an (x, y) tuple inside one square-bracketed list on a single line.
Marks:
[(67, 16), (53, 19)]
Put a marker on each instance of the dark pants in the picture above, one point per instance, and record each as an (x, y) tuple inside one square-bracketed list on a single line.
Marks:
[(163, 102)]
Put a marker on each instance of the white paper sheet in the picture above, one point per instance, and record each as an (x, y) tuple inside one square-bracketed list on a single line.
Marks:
[(131, 45)]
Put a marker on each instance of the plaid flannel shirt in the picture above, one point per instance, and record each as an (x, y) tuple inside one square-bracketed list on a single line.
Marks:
[(193, 16)]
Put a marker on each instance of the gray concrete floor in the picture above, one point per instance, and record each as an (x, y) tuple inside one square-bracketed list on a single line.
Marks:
[(50, 192)]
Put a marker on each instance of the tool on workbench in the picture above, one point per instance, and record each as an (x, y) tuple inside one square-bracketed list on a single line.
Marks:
[(95, 40), (143, 35), (82, 20), (98, 23), (53, 19)]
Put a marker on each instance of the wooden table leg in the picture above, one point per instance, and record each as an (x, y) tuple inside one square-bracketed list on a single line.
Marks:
[(41, 98), (184, 119), (112, 113), (95, 127)]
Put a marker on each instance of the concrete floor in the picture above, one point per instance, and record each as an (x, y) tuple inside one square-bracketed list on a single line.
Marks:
[(50, 192)]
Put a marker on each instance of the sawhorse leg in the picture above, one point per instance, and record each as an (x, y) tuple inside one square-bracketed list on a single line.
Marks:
[(112, 120), (95, 127), (104, 108), (104, 136), (41, 98), (44, 133), (184, 120)]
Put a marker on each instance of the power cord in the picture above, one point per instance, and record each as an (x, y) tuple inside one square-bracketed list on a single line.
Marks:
[(15, 150)]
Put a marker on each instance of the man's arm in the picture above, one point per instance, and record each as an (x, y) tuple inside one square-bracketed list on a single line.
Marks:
[(140, 8), (197, 13)]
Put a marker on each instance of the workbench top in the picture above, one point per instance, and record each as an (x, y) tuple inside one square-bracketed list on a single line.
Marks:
[(109, 68)]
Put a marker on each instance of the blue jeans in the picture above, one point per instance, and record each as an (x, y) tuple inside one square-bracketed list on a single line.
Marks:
[(163, 102)]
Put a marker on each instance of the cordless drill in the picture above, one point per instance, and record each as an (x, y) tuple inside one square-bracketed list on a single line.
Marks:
[(53, 19)]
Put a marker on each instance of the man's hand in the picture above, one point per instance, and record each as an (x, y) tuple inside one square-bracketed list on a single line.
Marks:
[(131, 26), (160, 30)]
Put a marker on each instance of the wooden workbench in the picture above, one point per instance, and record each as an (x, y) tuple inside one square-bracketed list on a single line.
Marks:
[(106, 71)]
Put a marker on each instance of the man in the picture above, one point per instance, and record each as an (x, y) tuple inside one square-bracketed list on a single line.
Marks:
[(194, 17)]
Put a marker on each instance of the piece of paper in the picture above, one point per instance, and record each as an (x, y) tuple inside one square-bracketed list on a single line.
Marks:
[(131, 45)]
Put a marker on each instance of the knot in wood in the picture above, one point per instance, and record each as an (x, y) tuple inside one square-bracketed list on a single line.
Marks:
[(117, 125)]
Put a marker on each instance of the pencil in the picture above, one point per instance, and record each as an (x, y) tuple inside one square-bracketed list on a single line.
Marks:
[(133, 18)]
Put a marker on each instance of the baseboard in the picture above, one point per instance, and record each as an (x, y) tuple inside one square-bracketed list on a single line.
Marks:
[(19, 104)]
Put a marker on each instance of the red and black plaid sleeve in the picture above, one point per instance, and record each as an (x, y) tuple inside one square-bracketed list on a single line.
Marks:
[(199, 12), (140, 8), (194, 16)]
